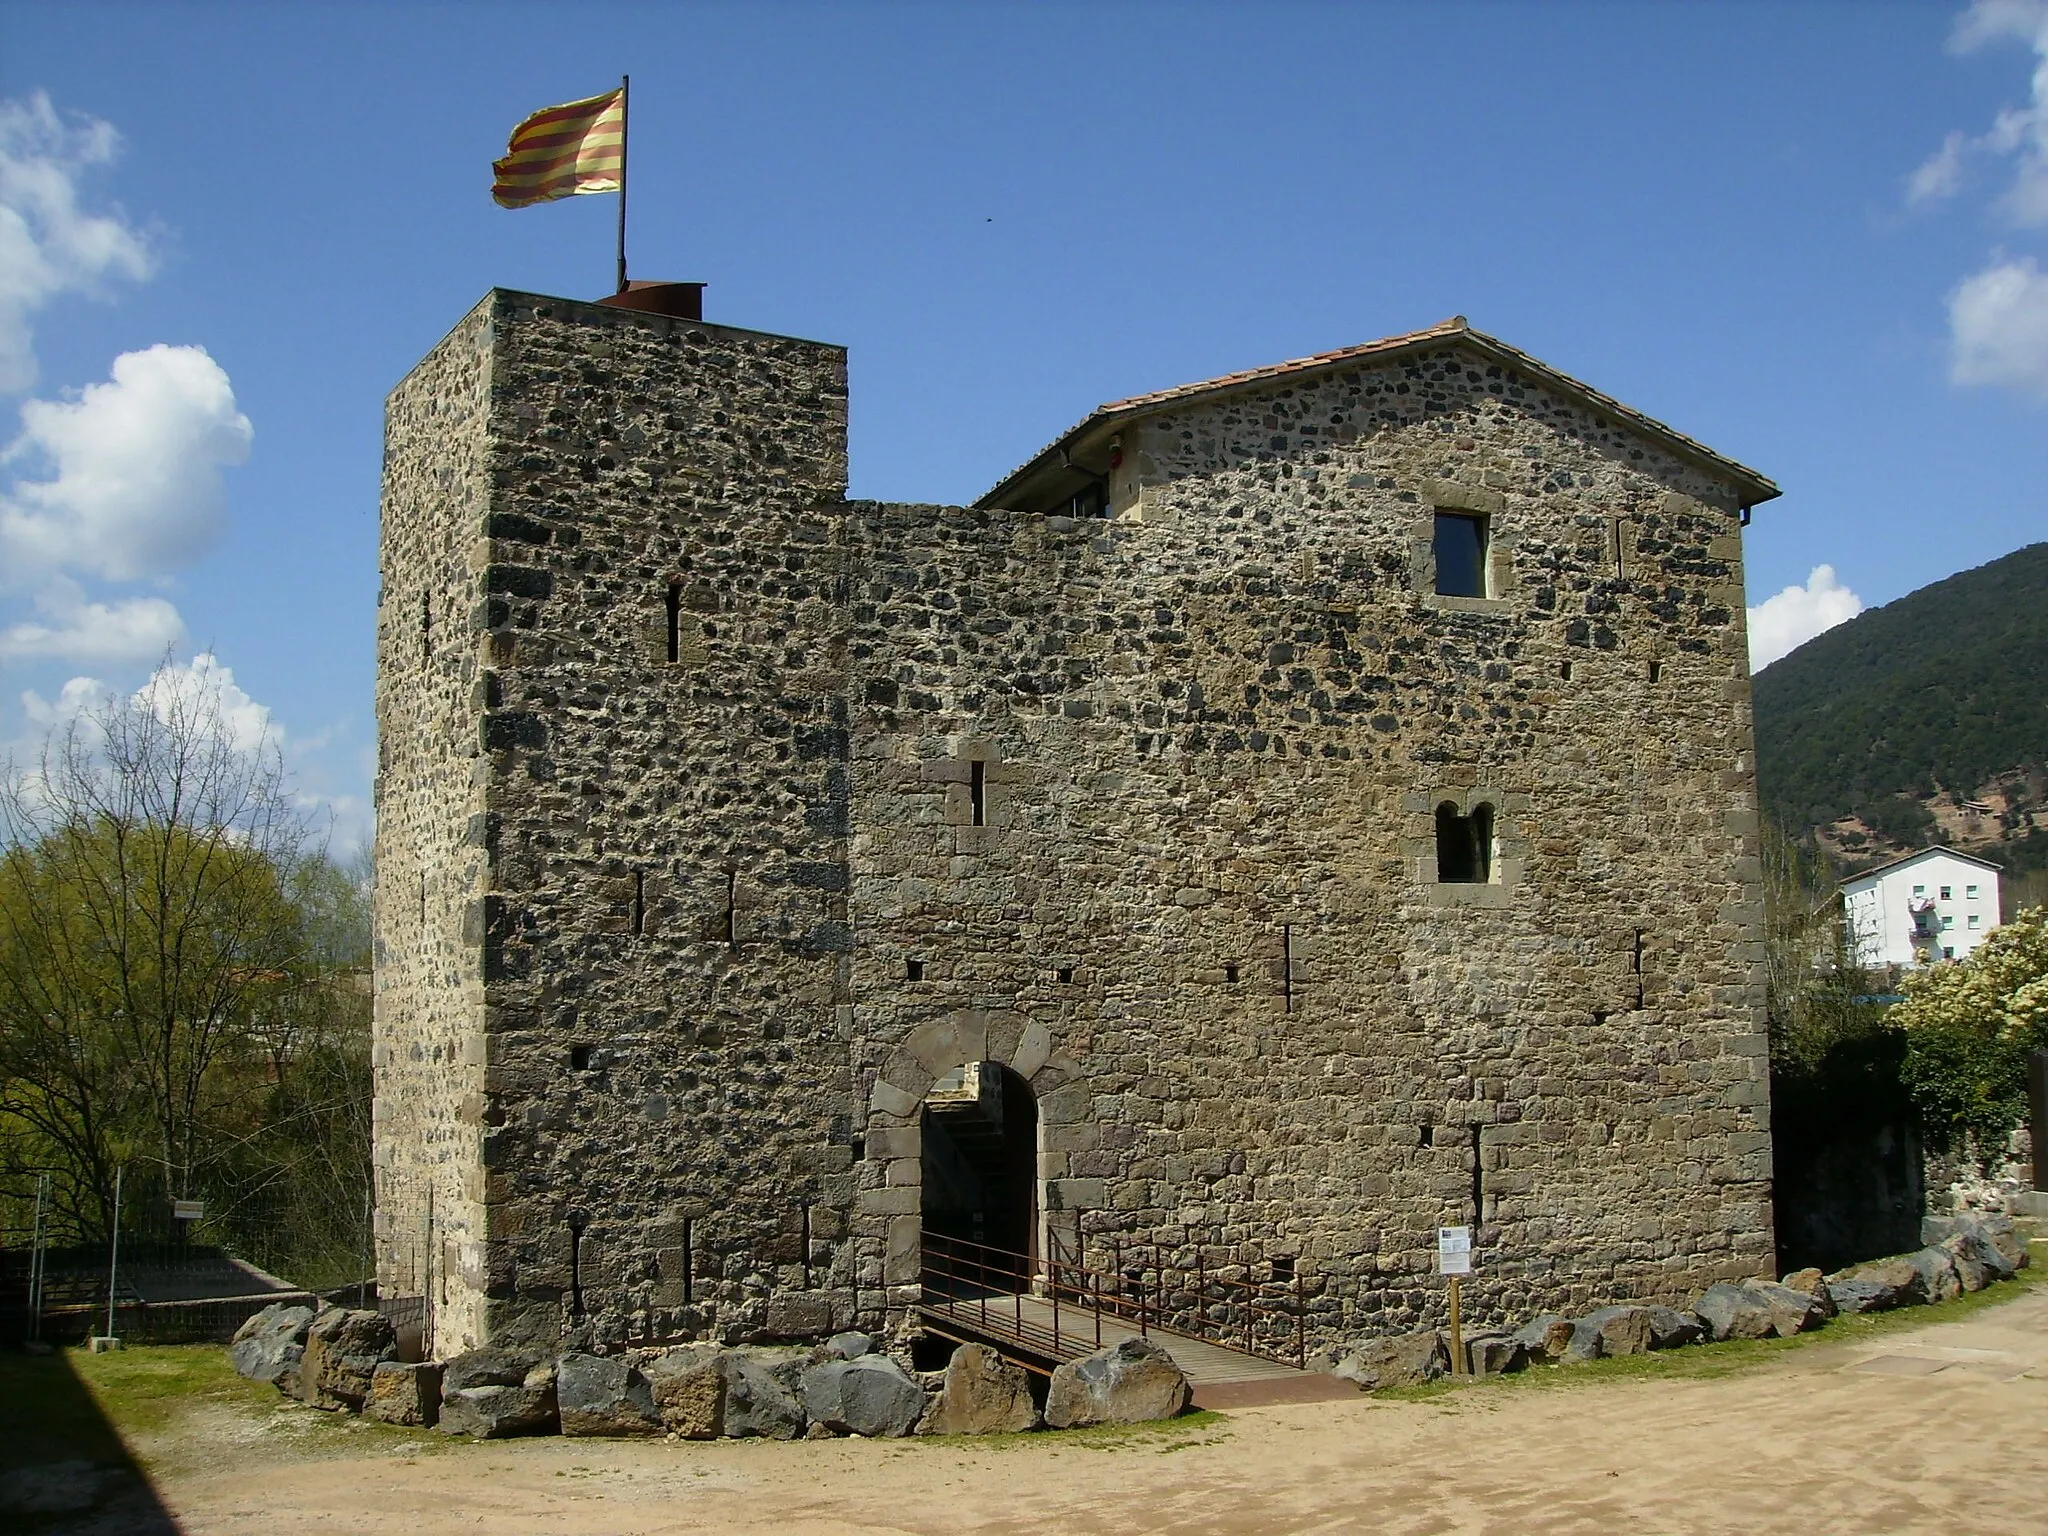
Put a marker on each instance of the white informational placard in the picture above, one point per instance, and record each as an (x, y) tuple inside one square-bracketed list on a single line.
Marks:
[(188, 1210), (1454, 1250)]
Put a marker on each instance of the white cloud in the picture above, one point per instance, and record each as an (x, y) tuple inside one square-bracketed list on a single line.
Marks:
[(1790, 618), (1998, 325), (2018, 132), (133, 632), (1941, 174), (48, 245), (204, 689), (136, 487)]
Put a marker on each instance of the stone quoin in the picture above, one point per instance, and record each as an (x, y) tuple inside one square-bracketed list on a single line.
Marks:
[(1289, 814)]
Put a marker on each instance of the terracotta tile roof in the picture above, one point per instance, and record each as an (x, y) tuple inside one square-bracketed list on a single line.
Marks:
[(1908, 858), (1755, 487)]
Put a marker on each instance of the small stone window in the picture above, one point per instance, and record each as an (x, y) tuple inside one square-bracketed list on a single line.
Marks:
[(1461, 554), (1464, 844)]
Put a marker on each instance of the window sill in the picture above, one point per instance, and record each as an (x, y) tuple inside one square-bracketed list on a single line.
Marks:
[(1442, 604), (1459, 894)]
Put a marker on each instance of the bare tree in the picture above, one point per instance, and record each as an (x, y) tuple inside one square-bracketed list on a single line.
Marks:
[(147, 928)]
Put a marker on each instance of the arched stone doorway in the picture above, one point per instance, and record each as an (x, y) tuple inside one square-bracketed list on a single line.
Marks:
[(979, 1152), (892, 1212)]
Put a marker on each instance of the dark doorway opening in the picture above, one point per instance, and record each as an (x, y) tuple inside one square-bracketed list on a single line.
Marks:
[(980, 1175)]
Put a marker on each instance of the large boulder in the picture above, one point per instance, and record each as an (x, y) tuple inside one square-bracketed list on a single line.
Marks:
[(1792, 1311), (1673, 1329), (1129, 1383), (496, 1393), (402, 1393), (1492, 1354), (758, 1403), (270, 1345), (1961, 1248), (1545, 1338), (849, 1346), (983, 1394), (1621, 1330), (689, 1390), (602, 1396), (1998, 1232), (1814, 1284), (1404, 1360), (343, 1350), (1990, 1241), (1938, 1278), (1877, 1287), (1734, 1312), (868, 1395)]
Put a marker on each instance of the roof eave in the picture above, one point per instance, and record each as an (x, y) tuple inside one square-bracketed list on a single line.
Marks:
[(1753, 488)]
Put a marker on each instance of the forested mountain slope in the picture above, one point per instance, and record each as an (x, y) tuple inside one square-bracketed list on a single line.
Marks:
[(1922, 721)]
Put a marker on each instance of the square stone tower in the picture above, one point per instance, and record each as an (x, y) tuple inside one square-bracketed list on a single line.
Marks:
[(1290, 813)]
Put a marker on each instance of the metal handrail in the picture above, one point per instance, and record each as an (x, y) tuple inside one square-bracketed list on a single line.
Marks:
[(1128, 1294)]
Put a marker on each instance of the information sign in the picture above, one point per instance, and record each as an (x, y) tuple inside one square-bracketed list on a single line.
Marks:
[(1454, 1250)]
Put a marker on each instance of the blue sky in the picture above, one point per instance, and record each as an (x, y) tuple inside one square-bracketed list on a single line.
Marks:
[(1810, 236)]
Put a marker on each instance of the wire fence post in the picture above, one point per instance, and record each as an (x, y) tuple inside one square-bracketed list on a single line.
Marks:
[(114, 1251), (35, 1262)]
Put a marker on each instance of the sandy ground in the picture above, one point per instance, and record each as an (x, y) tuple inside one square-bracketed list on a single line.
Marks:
[(1941, 1427)]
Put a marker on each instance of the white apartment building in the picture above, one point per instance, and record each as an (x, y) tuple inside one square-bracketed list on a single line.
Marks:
[(1929, 906)]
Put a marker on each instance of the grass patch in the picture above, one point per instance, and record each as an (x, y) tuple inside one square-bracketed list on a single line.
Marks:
[(1707, 1361)]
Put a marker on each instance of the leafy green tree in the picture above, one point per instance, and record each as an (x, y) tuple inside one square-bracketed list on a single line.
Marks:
[(179, 983), (1969, 1028)]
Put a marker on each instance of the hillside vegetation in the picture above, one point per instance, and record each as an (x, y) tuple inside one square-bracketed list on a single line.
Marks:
[(1881, 733)]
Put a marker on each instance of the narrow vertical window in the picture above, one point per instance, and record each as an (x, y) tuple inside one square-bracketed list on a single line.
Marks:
[(977, 791), (732, 887), (639, 901), (689, 1261), (1464, 844), (1286, 968), (675, 619), (426, 629), (1617, 544), (1460, 554)]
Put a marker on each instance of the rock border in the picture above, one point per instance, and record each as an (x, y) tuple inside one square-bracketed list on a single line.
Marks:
[(1963, 1253)]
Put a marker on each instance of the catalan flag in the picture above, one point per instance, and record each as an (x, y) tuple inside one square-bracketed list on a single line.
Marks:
[(559, 152)]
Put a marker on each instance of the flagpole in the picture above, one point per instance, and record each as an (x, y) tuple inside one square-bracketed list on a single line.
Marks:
[(625, 119)]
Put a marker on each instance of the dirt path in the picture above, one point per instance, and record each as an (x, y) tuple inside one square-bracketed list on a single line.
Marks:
[(1940, 1427)]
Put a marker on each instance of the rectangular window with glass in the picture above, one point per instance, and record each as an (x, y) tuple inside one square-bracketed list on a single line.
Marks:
[(1945, 890), (1919, 890), (1970, 891), (1460, 554), (1976, 920)]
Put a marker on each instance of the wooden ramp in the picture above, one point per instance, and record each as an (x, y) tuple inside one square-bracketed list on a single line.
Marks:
[(1029, 1330)]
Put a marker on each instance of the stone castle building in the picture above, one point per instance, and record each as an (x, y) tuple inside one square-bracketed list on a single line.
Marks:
[(1290, 813)]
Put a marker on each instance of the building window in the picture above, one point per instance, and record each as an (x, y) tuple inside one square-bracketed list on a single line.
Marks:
[(1460, 554), (1948, 922), (1976, 920), (1947, 892), (1464, 845), (1970, 891), (1947, 953)]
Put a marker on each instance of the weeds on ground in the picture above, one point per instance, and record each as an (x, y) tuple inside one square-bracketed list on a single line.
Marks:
[(1698, 1362)]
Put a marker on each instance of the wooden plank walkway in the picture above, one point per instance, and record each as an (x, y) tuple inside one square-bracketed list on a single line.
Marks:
[(1222, 1377)]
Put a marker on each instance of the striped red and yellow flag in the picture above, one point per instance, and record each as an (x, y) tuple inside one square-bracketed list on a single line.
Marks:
[(559, 152)]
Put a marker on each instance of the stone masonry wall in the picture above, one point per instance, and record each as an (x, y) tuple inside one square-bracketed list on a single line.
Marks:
[(429, 998), (1201, 918), (1218, 728)]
